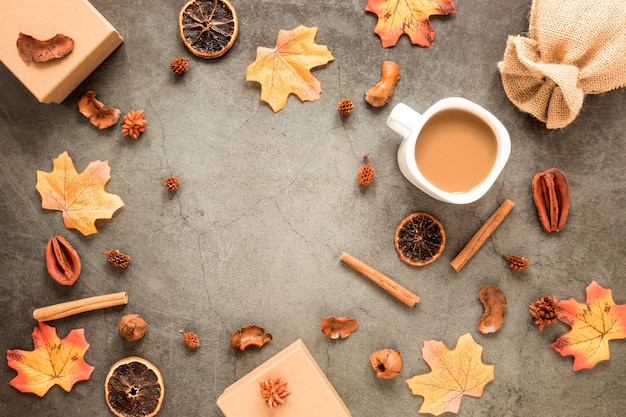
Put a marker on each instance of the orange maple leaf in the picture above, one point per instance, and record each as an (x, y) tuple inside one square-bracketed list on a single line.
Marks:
[(53, 362), (396, 17), (593, 323), (286, 69), (81, 197), (454, 373)]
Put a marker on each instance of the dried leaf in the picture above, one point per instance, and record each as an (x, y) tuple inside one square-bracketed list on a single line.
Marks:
[(81, 197), (286, 69), (454, 373), (53, 362), (396, 17), (593, 323)]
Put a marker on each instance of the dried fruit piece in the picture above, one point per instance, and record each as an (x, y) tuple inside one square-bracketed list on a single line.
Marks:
[(208, 28), (31, 49), (134, 388), (494, 304), (117, 258), (132, 327), (420, 239), (545, 311), (551, 193), (191, 340), (179, 66), (274, 391), (172, 183), (380, 94), (365, 176), (62, 261), (94, 110), (386, 363), (345, 107), (250, 335), (336, 327), (516, 263), (133, 124)]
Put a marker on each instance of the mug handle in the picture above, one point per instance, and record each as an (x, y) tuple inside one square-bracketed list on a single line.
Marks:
[(403, 119)]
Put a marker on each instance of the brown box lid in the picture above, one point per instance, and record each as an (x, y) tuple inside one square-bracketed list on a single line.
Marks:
[(52, 81), (312, 395)]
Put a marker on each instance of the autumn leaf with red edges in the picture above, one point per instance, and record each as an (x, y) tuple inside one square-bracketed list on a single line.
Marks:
[(54, 361), (412, 17), (594, 323)]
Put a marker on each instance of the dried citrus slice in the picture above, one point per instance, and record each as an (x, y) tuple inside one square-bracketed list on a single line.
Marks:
[(420, 239), (208, 28), (134, 388)]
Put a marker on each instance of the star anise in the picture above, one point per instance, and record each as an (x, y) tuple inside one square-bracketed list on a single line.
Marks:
[(545, 311), (133, 124), (274, 391)]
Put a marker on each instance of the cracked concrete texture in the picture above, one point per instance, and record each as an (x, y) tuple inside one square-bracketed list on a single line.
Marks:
[(269, 201)]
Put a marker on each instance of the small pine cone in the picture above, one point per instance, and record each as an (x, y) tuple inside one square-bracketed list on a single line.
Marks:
[(172, 183), (134, 124), (516, 263), (345, 107), (179, 66), (191, 340), (365, 176), (117, 258), (545, 311)]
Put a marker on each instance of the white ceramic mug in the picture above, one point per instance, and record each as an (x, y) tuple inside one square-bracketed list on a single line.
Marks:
[(408, 123)]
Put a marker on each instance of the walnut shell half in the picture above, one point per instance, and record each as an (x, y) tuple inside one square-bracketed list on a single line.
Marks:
[(31, 49)]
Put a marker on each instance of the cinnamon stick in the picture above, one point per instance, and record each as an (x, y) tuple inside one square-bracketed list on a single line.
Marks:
[(482, 235), (386, 283), (59, 311)]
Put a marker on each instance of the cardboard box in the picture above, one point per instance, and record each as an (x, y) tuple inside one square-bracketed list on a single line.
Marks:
[(52, 81), (312, 395)]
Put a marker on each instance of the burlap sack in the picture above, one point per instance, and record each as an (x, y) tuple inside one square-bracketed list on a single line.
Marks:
[(573, 48)]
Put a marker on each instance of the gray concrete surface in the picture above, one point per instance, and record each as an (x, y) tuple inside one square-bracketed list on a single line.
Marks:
[(269, 201)]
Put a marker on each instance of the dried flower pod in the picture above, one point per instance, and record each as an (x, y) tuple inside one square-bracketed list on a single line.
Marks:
[(31, 49), (171, 183), (494, 303), (133, 124), (386, 363), (551, 193), (336, 327), (365, 176), (274, 391), (117, 258), (94, 110), (191, 340), (345, 107), (62, 261), (516, 263), (132, 327), (250, 335), (545, 311), (179, 66)]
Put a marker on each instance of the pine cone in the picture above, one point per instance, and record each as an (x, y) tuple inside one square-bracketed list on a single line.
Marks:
[(179, 66), (133, 124), (172, 183), (516, 263), (545, 311), (345, 107), (191, 340), (365, 176), (117, 258)]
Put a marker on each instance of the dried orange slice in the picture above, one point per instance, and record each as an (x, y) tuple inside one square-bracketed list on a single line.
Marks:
[(134, 388), (420, 239), (208, 28)]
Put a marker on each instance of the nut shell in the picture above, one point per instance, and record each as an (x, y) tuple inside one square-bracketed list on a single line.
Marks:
[(386, 363), (132, 327)]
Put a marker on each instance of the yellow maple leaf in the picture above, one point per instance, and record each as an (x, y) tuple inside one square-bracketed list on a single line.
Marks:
[(593, 323), (396, 17), (454, 373), (80, 197), (285, 69), (52, 362)]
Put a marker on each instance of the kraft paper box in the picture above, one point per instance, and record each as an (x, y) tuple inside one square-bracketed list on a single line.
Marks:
[(52, 81), (312, 395)]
